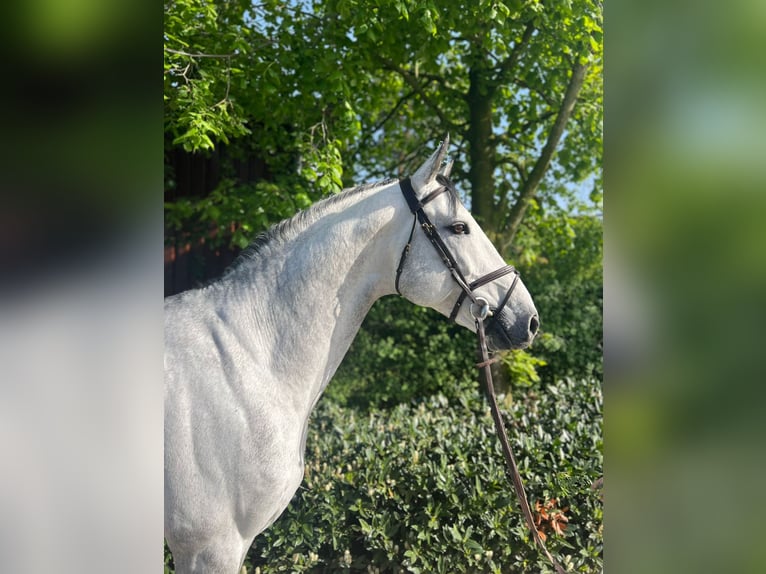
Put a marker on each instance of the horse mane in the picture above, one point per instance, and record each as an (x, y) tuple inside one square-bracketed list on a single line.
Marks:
[(289, 228)]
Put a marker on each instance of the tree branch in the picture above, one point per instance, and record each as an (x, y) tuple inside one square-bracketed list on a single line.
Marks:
[(443, 83), (529, 187), (413, 82), (507, 65), (368, 134), (536, 120), (390, 114), (519, 168), (193, 55), (521, 83)]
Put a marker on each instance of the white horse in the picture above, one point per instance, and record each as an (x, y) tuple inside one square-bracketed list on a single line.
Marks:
[(248, 356)]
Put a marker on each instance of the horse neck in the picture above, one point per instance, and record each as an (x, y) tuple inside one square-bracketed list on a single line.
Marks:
[(306, 297)]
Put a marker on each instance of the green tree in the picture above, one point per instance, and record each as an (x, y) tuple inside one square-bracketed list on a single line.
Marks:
[(562, 254), (333, 92), (517, 85), (513, 83), (204, 42)]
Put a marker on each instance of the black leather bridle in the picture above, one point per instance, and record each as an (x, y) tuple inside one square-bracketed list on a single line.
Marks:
[(416, 207), (479, 316)]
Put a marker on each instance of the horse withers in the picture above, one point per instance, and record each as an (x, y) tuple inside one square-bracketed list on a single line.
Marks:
[(248, 356)]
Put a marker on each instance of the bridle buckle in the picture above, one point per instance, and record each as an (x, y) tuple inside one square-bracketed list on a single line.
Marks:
[(483, 309)]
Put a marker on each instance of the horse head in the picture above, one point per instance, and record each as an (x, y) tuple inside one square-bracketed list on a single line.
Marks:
[(454, 268)]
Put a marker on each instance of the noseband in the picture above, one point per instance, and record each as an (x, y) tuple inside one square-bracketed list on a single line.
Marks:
[(479, 306)]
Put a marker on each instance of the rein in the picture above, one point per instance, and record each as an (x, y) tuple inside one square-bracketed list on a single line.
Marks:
[(480, 310), (510, 460)]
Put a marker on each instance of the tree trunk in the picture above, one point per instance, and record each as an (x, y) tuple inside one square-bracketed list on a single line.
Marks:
[(481, 174)]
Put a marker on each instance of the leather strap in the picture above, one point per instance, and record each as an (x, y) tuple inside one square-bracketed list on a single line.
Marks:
[(483, 280), (467, 289), (510, 459), (416, 207)]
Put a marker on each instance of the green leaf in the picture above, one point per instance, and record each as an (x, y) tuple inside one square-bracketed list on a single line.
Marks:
[(473, 545)]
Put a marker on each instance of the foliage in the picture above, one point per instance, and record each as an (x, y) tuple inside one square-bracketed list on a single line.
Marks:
[(492, 74), (522, 367), (202, 38), (562, 255), (422, 488), (236, 69), (376, 83), (249, 209), (168, 566), (404, 352)]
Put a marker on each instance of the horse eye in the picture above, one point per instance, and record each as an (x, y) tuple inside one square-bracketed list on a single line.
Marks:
[(459, 228)]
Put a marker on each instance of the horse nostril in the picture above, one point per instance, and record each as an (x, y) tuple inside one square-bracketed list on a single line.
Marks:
[(534, 323)]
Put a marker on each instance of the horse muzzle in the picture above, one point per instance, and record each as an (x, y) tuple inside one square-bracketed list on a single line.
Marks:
[(505, 332)]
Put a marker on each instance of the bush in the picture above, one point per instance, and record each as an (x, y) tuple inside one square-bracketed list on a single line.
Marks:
[(422, 488), (561, 261), (403, 352)]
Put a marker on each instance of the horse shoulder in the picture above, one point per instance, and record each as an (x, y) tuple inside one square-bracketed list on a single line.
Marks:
[(229, 431)]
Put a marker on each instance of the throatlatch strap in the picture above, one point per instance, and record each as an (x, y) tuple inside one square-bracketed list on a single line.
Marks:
[(403, 256)]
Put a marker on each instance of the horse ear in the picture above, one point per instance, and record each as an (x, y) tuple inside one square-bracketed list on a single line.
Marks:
[(447, 169), (427, 172)]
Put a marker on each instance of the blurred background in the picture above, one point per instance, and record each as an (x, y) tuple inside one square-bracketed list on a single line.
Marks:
[(80, 287), (271, 106), (684, 284)]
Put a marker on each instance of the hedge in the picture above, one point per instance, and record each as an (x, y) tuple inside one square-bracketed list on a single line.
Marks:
[(421, 487)]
